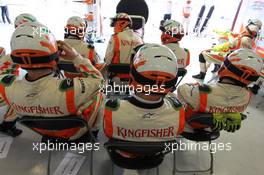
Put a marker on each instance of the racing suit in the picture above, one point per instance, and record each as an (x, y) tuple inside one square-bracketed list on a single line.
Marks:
[(9, 113), (259, 82), (86, 50), (119, 51), (218, 98), (120, 47), (139, 120), (7, 119), (183, 55), (53, 97)]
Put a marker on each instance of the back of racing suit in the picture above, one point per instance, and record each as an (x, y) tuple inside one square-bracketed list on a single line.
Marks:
[(86, 50), (119, 50), (183, 55), (139, 120), (216, 98), (53, 97)]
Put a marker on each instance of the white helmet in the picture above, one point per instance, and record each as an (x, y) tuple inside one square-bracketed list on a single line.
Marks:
[(122, 16), (2, 52), (24, 18), (172, 31), (75, 27), (242, 66), (34, 46), (124, 21), (154, 64), (254, 26), (173, 26), (255, 22)]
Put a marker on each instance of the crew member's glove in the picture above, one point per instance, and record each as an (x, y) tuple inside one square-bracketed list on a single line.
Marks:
[(233, 122), (219, 122), (221, 48)]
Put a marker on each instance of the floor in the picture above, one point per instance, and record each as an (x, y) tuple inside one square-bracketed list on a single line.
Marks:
[(245, 157)]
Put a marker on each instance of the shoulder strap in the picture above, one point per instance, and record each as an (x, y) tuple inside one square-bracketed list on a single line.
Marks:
[(108, 123), (204, 91), (181, 112), (67, 86), (116, 59)]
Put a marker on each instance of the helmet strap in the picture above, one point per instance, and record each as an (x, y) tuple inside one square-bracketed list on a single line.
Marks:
[(146, 81), (234, 82), (25, 59), (238, 72)]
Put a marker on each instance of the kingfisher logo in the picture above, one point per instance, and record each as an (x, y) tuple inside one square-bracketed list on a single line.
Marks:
[(126, 43), (143, 133), (227, 109)]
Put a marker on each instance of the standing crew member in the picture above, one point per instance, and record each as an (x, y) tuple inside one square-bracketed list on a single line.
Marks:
[(186, 11), (167, 15), (4, 11)]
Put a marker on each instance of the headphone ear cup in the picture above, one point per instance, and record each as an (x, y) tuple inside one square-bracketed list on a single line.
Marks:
[(113, 21)]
